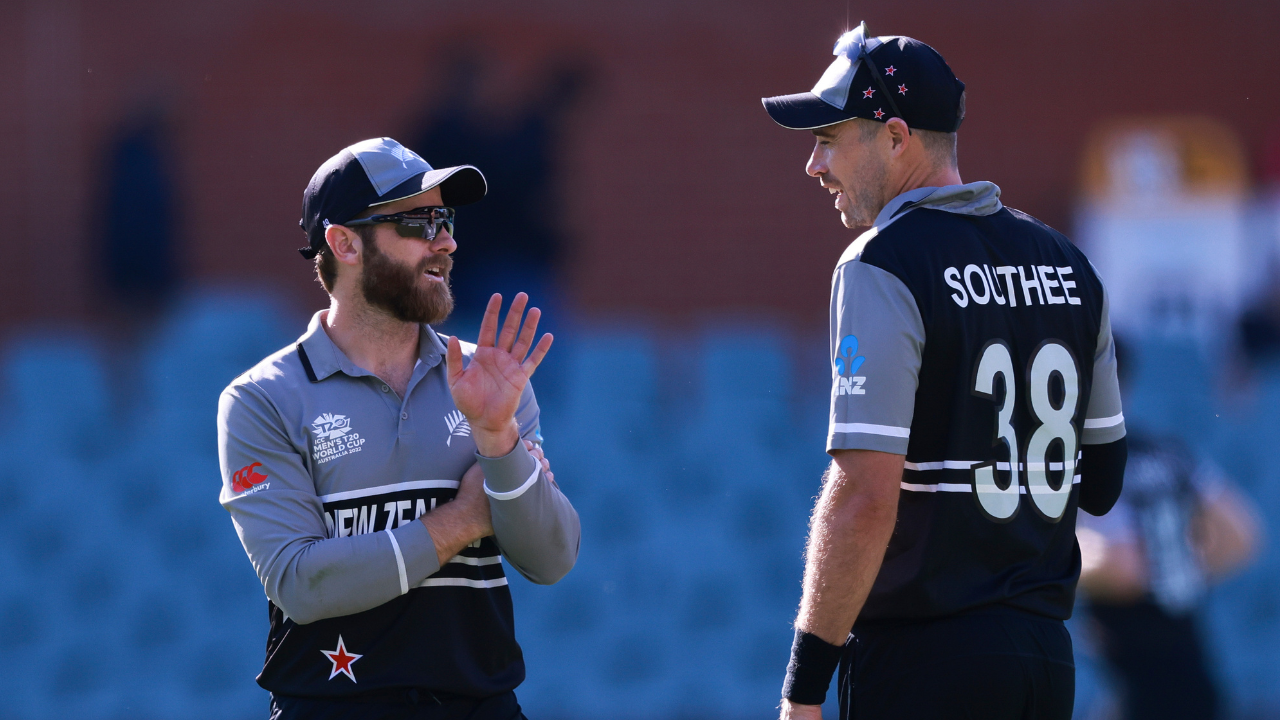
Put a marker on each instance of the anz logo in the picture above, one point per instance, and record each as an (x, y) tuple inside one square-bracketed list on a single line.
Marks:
[(847, 363)]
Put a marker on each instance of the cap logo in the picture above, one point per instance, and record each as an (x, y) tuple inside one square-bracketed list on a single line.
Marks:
[(834, 85), (387, 163), (403, 154)]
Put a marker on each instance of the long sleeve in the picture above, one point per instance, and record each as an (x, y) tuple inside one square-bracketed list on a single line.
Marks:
[(272, 500), (534, 523), (1102, 475)]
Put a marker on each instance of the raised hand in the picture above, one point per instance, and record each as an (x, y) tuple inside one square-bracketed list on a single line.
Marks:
[(488, 390)]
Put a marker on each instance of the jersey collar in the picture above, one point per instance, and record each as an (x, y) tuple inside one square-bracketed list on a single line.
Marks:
[(975, 198), (325, 359)]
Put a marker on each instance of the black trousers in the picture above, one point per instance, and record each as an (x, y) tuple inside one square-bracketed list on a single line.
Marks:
[(990, 664), (397, 705)]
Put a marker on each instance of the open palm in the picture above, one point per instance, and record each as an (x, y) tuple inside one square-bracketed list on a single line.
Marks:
[(488, 390)]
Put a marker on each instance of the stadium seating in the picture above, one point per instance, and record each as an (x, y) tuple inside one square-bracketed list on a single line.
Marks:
[(692, 456)]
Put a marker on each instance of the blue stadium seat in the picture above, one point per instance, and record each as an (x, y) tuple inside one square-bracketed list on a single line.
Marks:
[(57, 396), (206, 342), (694, 507)]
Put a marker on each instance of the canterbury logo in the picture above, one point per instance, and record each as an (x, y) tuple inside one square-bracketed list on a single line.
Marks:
[(246, 477), (458, 426)]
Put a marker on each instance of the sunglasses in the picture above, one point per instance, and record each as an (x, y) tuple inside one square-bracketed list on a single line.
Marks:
[(423, 222)]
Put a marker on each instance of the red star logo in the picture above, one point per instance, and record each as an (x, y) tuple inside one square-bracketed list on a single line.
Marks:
[(902, 89), (890, 70), (879, 113), (341, 660), (868, 93)]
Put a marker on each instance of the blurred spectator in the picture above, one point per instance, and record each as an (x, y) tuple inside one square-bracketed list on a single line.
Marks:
[(1147, 565), (1163, 218), (1260, 324), (139, 250), (515, 243)]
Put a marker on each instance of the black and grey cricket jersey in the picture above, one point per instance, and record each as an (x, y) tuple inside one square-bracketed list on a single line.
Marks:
[(975, 340), (325, 472)]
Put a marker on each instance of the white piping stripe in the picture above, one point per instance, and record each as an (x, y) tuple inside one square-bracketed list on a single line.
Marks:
[(512, 495), (939, 487), (946, 465), (1094, 423), (383, 489), (464, 560), (404, 577), (1040, 466), (870, 429), (966, 464), (965, 487), (463, 582)]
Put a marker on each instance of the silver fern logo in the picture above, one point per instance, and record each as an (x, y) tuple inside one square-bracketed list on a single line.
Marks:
[(458, 426)]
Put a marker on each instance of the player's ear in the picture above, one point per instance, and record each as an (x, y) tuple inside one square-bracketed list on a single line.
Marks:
[(344, 244), (898, 134)]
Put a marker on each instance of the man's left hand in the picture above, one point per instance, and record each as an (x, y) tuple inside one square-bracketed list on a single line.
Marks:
[(488, 390), (536, 452)]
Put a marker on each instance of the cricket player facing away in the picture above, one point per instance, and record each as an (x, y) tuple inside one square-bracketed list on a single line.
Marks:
[(378, 472), (974, 408)]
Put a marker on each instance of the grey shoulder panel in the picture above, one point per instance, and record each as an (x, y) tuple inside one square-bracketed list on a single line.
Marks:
[(877, 341)]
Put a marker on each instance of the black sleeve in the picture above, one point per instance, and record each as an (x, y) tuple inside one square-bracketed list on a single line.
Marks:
[(1102, 475)]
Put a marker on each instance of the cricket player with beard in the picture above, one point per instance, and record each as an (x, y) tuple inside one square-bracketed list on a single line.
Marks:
[(378, 473)]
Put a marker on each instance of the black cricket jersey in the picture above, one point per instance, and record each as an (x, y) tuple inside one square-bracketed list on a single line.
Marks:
[(975, 340)]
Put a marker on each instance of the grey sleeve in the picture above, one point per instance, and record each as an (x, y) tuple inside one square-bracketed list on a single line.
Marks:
[(273, 504), (1104, 418), (535, 525), (877, 339)]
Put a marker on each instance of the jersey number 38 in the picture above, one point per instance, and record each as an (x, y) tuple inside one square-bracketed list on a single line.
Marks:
[(1052, 372)]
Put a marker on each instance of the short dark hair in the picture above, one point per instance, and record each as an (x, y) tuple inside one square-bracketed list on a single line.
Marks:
[(327, 264), (940, 146)]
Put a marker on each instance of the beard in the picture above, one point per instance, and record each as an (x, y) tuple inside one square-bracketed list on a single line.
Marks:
[(401, 291), (866, 200)]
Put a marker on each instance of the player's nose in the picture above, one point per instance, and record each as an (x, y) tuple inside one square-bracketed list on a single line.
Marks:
[(816, 166), (444, 242)]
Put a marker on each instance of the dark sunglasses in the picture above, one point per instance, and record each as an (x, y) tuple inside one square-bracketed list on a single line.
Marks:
[(423, 222)]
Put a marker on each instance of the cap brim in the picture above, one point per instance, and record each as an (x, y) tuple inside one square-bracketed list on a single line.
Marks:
[(804, 111), (460, 185)]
